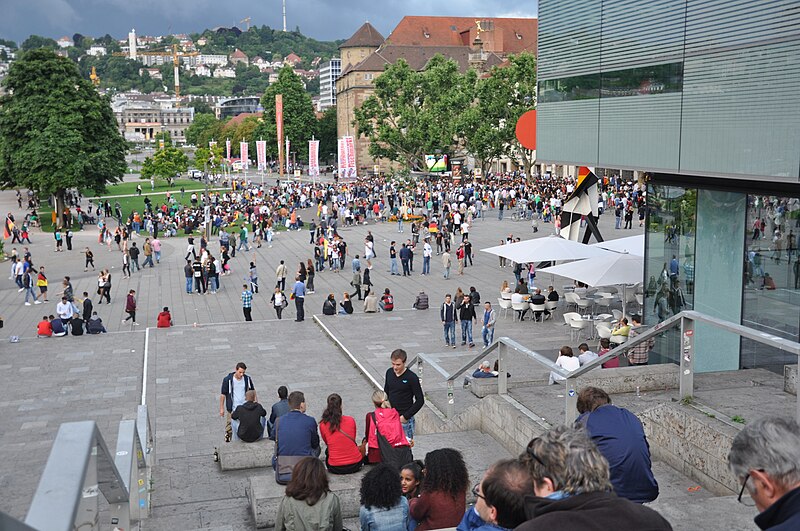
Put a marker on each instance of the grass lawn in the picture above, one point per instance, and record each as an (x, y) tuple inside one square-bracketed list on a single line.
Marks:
[(162, 187)]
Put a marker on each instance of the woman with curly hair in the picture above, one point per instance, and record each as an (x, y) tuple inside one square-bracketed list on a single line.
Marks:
[(343, 455), (309, 503), (383, 506), (444, 491)]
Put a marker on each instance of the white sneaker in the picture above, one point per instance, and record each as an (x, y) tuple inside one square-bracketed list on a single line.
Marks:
[(37, 302), (135, 324), (27, 304), (20, 290)]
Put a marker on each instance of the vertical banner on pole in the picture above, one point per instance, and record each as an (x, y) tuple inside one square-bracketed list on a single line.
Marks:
[(342, 148), (228, 149), (351, 156), (288, 153), (261, 154), (244, 149), (313, 158), (279, 125)]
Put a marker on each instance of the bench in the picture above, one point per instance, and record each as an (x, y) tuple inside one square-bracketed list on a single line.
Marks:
[(238, 455)]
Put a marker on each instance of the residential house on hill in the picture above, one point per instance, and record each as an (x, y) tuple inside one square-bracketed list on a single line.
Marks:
[(239, 56), (292, 59)]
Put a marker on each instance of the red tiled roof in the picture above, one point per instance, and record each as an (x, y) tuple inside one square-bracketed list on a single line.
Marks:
[(365, 37), (501, 35), (238, 54), (417, 57)]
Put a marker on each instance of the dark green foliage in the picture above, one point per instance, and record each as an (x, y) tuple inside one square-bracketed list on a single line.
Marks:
[(56, 131)]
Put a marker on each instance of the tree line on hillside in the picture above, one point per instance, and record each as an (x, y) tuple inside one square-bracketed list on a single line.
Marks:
[(122, 74)]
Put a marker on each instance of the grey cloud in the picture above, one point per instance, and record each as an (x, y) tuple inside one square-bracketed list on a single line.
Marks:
[(321, 19)]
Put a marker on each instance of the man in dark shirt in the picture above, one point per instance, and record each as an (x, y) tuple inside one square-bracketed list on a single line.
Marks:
[(538, 299), (295, 432), (405, 258), (393, 259), (251, 416), (404, 391), (188, 272), (279, 408), (552, 294)]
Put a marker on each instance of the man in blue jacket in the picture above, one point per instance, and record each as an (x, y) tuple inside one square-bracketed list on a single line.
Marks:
[(620, 437), (232, 395), (295, 432)]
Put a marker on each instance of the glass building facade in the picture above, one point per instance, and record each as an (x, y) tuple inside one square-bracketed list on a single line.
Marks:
[(702, 96)]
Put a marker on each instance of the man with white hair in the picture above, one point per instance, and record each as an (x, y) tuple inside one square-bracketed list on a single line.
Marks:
[(484, 371), (572, 488), (765, 456)]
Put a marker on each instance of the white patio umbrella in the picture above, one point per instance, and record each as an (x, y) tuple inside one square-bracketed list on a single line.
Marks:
[(612, 269), (631, 245), (549, 248)]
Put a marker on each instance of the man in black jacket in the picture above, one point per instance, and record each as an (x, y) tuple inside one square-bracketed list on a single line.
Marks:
[(466, 314), (252, 418)]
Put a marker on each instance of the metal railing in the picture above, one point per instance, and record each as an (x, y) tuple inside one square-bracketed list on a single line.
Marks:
[(686, 320), (80, 467)]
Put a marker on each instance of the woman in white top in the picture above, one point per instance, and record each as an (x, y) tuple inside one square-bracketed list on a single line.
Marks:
[(567, 361), (369, 252)]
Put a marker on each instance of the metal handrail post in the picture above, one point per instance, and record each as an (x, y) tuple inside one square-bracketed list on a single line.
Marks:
[(451, 401), (502, 383), (686, 376), (571, 400)]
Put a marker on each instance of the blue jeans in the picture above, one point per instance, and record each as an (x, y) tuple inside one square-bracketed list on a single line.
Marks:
[(450, 333), (399, 223), (148, 260), (447, 272), (158, 256), (394, 267), (408, 428), (188, 284), (500, 214), (426, 265), (30, 293), (466, 332), (488, 336)]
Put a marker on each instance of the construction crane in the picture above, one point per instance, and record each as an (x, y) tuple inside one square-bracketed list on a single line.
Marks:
[(246, 20), (175, 55), (94, 77)]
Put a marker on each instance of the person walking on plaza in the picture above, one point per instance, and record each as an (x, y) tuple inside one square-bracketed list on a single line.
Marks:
[(299, 294), (447, 262), (449, 316), (89, 259), (402, 386), (489, 320), (130, 307), (466, 314), (356, 283), (366, 282), (281, 272), (247, 302), (148, 253), (156, 246), (460, 254), (405, 259), (134, 254), (393, 259), (427, 252), (188, 272), (278, 301), (232, 395)]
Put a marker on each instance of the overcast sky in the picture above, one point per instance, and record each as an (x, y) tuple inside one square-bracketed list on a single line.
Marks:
[(321, 19)]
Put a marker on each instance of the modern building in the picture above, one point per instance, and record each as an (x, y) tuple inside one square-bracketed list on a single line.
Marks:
[(702, 96), (141, 116), (328, 75), (230, 107)]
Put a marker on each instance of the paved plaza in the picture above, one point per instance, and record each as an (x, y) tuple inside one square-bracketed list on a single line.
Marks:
[(100, 377)]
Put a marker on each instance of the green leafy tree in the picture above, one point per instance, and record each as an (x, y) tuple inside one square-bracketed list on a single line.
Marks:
[(488, 127), (165, 136), (327, 134), (166, 163), (201, 107), (56, 131), (298, 115), (35, 41), (204, 128), (9, 43), (205, 157), (412, 114)]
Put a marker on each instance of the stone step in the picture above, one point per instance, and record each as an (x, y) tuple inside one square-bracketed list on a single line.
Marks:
[(721, 513), (479, 452)]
